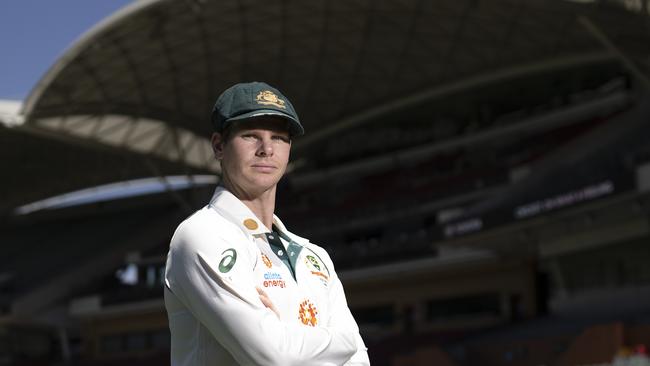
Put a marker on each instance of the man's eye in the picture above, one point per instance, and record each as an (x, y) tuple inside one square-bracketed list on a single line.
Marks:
[(281, 138)]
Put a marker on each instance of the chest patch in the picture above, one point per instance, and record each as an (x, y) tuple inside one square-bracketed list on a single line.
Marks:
[(312, 262), (316, 268), (267, 261), (307, 313)]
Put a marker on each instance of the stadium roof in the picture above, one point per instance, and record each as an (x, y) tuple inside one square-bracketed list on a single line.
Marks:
[(134, 93)]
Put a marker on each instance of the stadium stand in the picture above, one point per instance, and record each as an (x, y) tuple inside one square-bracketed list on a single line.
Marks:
[(481, 181)]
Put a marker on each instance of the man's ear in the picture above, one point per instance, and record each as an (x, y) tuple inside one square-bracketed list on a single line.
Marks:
[(217, 145)]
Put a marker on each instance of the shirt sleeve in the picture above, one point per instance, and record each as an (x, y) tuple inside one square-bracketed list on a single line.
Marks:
[(213, 278), (341, 317)]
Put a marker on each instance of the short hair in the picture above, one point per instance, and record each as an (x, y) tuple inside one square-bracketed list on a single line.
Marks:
[(226, 134)]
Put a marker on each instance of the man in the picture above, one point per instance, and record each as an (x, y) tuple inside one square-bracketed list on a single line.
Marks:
[(240, 288)]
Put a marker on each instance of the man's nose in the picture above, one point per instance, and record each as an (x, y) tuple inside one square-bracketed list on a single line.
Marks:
[(266, 147)]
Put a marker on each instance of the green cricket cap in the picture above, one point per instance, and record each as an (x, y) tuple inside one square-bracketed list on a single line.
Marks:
[(249, 100)]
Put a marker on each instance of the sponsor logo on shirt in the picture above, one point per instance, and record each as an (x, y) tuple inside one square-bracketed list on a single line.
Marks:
[(307, 313), (321, 275), (272, 276), (228, 259), (251, 224), (267, 261), (273, 279)]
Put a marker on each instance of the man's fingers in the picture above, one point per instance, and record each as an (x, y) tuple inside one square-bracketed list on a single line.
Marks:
[(260, 291), (264, 297), (267, 301)]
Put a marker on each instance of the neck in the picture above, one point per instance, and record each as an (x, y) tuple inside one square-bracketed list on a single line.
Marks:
[(262, 204), (263, 207)]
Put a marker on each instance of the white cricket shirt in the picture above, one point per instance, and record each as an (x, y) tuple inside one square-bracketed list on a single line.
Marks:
[(216, 258)]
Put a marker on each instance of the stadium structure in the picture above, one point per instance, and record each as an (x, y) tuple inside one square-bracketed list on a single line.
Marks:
[(478, 171)]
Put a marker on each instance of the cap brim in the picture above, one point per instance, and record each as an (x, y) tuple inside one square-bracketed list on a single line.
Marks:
[(295, 128)]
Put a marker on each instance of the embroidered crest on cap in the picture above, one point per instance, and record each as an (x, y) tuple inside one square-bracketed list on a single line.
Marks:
[(266, 260), (267, 97), (227, 261), (250, 224), (307, 313)]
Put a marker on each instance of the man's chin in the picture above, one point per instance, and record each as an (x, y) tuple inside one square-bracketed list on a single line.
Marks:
[(264, 185)]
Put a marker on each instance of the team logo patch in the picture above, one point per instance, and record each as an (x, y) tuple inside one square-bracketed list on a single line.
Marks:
[(228, 260), (266, 261), (307, 313), (315, 269), (312, 262), (267, 97), (274, 279)]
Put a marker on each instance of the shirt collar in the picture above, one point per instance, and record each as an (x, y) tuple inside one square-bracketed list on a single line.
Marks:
[(237, 212), (230, 207)]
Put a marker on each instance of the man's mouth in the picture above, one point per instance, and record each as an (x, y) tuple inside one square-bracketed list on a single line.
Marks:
[(264, 167)]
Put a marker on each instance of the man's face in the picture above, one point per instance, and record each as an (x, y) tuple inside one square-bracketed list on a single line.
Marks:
[(255, 155)]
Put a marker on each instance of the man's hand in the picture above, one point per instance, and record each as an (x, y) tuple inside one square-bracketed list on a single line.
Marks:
[(267, 302)]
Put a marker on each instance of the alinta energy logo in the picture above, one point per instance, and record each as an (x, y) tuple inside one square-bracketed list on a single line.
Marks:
[(274, 279), (307, 313)]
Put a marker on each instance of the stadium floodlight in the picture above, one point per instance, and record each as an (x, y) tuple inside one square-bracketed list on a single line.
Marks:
[(10, 113)]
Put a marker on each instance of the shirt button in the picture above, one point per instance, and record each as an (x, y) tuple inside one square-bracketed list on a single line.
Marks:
[(271, 237), (292, 253), (280, 252)]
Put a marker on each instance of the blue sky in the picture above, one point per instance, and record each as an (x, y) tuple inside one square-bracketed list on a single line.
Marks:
[(34, 33)]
